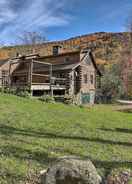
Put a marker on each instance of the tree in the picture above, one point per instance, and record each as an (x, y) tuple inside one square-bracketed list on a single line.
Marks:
[(111, 85), (126, 58), (31, 38)]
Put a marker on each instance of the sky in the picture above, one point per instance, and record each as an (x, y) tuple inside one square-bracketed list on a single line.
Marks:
[(61, 19)]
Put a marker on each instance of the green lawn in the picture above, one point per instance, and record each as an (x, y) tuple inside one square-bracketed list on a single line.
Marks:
[(33, 134)]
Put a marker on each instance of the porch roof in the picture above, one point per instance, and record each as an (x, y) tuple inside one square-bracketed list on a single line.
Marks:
[(60, 67)]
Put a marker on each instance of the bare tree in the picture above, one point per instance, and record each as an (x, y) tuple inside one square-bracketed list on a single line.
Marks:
[(125, 58), (129, 22), (31, 38), (128, 41)]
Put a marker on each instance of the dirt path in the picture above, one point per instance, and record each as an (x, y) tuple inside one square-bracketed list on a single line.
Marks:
[(124, 108)]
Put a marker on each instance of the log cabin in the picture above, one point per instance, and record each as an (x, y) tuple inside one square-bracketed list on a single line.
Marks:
[(71, 73)]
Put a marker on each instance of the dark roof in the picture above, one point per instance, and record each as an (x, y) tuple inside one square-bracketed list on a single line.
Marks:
[(94, 63), (65, 67), (58, 67), (61, 54), (32, 56)]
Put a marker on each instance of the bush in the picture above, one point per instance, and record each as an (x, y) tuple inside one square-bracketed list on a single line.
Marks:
[(1, 90), (6, 90), (47, 99), (23, 93), (68, 99), (12, 91), (20, 92)]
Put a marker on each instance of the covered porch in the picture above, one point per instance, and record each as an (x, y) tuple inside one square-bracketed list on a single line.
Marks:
[(36, 76)]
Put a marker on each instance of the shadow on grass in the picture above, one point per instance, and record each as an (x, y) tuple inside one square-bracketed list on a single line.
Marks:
[(27, 154), (45, 159), (110, 165), (10, 151), (121, 130), (7, 130), (7, 176)]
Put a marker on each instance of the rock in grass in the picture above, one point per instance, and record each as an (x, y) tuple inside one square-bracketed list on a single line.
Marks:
[(70, 170)]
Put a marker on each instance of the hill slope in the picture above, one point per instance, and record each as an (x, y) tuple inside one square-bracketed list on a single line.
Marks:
[(106, 46)]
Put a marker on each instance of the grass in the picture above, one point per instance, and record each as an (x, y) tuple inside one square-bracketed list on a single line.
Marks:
[(33, 134)]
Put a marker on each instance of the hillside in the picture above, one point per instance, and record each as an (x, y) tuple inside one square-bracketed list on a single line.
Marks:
[(106, 46), (33, 134)]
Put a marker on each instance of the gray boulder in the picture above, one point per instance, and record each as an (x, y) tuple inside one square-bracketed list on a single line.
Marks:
[(71, 170)]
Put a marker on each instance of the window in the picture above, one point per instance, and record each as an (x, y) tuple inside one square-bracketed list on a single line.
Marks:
[(85, 78), (66, 60), (4, 73), (4, 77), (91, 79), (56, 50), (88, 61), (61, 75)]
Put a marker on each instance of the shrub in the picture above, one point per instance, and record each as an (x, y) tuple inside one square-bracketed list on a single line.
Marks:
[(6, 90), (23, 93), (68, 99), (47, 99), (12, 91), (19, 92), (1, 90)]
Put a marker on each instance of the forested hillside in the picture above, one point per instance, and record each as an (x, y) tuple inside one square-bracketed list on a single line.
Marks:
[(106, 46)]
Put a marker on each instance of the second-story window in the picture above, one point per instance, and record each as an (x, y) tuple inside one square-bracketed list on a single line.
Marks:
[(85, 78), (92, 79)]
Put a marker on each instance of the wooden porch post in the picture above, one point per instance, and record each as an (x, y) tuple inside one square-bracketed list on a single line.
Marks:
[(51, 89), (31, 76), (30, 73), (9, 77)]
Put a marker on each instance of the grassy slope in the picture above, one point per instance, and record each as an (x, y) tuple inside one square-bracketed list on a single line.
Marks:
[(33, 134)]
